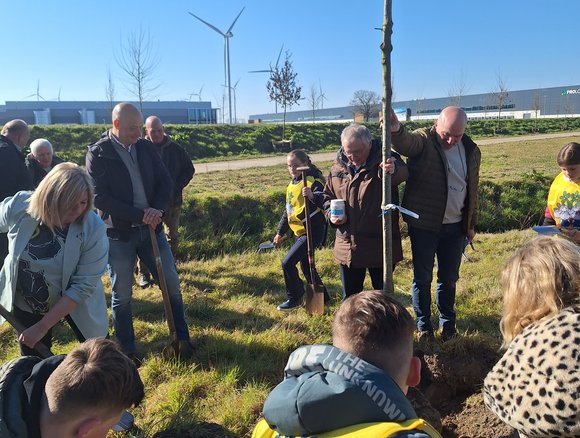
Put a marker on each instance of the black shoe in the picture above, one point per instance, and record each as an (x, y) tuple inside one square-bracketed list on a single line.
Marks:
[(447, 334), (288, 305), (144, 281)]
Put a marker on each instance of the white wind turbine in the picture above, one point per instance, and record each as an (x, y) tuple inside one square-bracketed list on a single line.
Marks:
[(270, 72), (227, 35)]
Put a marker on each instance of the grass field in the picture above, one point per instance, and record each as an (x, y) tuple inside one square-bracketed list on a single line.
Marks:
[(243, 342)]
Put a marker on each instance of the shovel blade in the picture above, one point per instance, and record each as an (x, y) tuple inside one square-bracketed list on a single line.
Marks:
[(314, 299), (264, 246)]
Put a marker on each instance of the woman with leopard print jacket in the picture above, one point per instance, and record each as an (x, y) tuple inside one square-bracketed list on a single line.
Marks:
[(535, 387)]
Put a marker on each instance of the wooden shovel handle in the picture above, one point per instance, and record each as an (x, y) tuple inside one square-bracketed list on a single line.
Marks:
[(162, 284), (41, 348)]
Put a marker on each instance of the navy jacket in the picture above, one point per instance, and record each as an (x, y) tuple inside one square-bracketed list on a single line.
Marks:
[(179, 166), (14, 176), (113, 187)]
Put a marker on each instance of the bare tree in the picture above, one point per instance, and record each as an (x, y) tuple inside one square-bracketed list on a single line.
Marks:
[(367, 103), (283, 88), (138, 61), (536, 108), (458, 89), (314, 101), (499, 96), (110, 90)]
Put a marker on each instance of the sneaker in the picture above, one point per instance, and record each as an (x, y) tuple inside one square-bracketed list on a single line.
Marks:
[(125, 422), (144, 281), (447, 334), (288, 305)]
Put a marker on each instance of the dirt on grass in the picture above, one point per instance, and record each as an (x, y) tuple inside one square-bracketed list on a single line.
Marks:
[(450, 397)]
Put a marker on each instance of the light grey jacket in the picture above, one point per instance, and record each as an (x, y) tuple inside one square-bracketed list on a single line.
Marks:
[(85, 259)]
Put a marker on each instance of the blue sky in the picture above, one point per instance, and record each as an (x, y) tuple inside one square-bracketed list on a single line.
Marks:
[(70, 45)]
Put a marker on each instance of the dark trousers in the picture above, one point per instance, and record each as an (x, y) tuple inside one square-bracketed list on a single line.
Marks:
[(353, 279), (447, 246), (28, 319), (298, 253)]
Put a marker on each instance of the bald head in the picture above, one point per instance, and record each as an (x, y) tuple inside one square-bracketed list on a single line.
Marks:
[(17, 131), (154, 130), (450, 126), (127, 123)]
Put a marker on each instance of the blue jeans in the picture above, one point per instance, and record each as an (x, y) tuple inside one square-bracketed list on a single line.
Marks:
[(447, 245), (121, 267), (353, 279), (299, 254)]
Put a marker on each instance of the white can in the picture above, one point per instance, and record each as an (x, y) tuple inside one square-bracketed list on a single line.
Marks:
[(337, 212)]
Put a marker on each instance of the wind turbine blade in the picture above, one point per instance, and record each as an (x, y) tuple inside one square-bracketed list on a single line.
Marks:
[(232, 26), (279, 54), (260, 71), (236, 84), (207, 24)]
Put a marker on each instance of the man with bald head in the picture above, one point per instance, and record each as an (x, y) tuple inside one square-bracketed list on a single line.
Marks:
[(181, 170), (14, 176), (442, 188), (132, 191)]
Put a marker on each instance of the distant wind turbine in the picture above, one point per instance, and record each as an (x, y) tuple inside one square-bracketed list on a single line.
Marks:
[(37, 94), (227, 35), (235, 108), (198, 94), (322, 96), (270, 71)]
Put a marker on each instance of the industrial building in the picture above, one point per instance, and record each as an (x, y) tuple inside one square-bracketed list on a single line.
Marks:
[(44, 112), (521, 104)]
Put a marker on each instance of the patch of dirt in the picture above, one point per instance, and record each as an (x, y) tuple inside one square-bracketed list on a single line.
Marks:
[(449, 396)]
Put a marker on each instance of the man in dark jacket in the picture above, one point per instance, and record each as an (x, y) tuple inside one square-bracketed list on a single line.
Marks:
[(132, 190), (181, 170), (357, 386), (442, 190), (81, 394), (356, 177), (13, 174)]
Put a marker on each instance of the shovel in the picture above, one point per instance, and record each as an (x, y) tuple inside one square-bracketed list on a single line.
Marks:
[(40, 348), (176, 348), (127, 419), (314, 292)]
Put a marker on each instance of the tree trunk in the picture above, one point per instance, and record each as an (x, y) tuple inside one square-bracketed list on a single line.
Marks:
[(386, 48)]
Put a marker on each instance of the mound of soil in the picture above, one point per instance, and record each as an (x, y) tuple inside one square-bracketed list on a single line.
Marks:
[(449, 396)]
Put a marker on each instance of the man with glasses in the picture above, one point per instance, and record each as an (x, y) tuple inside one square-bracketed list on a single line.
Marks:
[(442, 189), (356, 177)]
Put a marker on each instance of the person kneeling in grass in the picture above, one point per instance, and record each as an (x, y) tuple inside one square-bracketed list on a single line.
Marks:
[(82, 394), (535, 387), (356, 387)]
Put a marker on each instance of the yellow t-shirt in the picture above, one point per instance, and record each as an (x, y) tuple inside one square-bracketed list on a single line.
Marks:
[(564, 202)]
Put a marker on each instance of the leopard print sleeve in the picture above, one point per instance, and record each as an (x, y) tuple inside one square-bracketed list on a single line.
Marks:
[(535, 387)]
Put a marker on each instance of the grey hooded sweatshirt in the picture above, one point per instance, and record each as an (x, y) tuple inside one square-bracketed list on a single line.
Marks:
[(325, 388)]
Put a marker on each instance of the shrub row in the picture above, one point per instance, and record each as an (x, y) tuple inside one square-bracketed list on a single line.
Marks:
[(212, 226), (215, 141)]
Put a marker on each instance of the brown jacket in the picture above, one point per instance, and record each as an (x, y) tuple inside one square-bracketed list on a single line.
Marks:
[(426, 188), (359, 241)]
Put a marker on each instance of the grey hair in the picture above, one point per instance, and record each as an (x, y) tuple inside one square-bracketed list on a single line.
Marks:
[(356, 132), (38, 143)]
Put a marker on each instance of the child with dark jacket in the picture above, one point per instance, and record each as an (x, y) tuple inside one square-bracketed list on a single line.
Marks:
[(293, 219)]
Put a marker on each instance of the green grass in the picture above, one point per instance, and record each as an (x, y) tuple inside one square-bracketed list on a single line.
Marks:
[(242, 341)]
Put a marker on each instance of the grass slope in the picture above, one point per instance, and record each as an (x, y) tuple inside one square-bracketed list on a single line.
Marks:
[(242, 340)]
